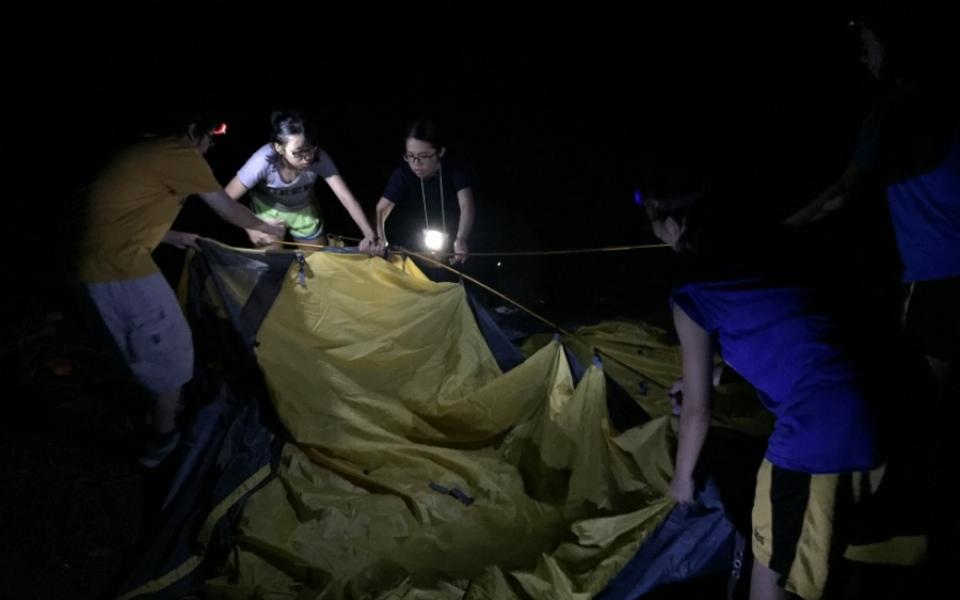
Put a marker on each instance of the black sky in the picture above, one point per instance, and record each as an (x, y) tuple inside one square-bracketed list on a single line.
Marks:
[(559, 112)]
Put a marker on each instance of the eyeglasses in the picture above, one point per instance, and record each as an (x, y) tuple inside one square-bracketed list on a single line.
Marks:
[(304, 154), (418, 158)]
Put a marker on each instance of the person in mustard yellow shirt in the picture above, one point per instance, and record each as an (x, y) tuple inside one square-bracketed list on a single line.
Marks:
[(129, 209)]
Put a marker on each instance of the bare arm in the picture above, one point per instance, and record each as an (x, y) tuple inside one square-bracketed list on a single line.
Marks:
[(720, 373), (461, 249), (345, 196), (697, 354), (181, 239), (384, 208), (831, 199), (236, 214), (465, 199), (235, 189)]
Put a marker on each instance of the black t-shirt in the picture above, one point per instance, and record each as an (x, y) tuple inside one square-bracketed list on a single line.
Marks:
[(406, 222)]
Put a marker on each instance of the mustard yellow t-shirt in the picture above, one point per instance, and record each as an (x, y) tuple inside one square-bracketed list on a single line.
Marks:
[(132, 204)]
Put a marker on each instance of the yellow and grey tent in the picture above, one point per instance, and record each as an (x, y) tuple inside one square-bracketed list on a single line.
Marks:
[(364, 432)]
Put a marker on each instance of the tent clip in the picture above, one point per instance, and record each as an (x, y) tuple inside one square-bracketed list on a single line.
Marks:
[(456, 493), (301, 275)]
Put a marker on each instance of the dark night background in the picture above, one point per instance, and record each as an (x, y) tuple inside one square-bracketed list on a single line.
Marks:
[(560, 112), (557, 113)]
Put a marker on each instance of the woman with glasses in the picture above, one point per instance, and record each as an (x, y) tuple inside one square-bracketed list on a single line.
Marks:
[(281, 178), (434, 193)]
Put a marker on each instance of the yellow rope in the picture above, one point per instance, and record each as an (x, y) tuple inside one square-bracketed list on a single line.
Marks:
[(441, 264), (573, 251), (535, 252), (303, 245)]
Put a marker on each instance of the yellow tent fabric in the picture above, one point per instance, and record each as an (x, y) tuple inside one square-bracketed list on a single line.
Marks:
[(417, 469), (645, 361)]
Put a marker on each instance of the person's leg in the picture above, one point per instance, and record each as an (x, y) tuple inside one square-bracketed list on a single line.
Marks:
[(150, 331), (793, 531), (163, 347), (159, 342), (164, 438), (932, 319), (764, 581), (166, 408), (763, 584)]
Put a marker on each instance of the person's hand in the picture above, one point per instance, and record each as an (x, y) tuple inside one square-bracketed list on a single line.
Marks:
[(181, 239), (260, 239), (675, 393), (460, 251), (278, 228), (274, 231), (681, 489), (371, 245)]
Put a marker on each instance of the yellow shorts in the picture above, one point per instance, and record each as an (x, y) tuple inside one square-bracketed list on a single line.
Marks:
[(803, 522)]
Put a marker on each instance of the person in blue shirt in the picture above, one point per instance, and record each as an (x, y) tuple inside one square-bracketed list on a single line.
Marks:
[(826, 454), (910, 145)]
